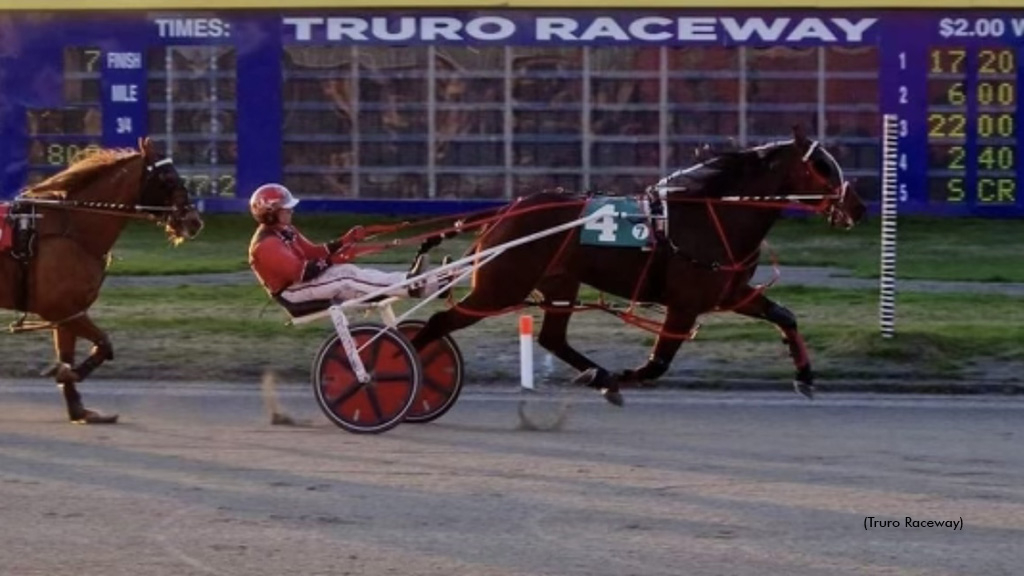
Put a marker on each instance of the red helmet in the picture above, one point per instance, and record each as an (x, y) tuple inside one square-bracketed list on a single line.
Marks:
[(268, 199)]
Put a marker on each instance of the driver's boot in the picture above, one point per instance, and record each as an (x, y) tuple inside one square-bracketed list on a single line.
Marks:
[(419, 265), (431, 284), (447, 278)]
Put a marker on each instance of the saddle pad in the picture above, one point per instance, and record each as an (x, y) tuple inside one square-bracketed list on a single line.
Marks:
[(6, 228), (624, 222)]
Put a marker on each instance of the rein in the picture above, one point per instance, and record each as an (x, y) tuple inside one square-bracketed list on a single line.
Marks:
[(454, 224), (784, 201), (134, 211)]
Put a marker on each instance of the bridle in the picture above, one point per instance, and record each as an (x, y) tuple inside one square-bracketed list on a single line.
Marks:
[(831, 204), (160, 172)]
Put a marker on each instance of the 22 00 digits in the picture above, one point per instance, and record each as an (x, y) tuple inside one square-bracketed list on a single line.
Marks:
[(947, 125)]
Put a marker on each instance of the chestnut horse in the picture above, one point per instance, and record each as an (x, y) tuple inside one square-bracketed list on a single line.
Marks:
[(72, 221), (717, 214)]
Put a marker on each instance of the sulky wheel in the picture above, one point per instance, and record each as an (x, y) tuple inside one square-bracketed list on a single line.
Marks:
[(383, 402), (442, 376)]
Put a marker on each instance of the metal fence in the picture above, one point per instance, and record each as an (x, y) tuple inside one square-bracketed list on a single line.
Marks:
[(438, 122), (422, 122)]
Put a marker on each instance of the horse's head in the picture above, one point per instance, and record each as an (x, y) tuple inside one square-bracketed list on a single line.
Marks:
[(814, 176), (163, 194)]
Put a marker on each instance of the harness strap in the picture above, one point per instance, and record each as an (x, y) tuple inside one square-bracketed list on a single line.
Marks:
[(645, 278), (22, 252), (20, 325)]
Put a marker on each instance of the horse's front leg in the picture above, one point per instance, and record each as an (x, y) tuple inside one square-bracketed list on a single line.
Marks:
[(763, 308), (554, 329), (675, 330), (68, 378)]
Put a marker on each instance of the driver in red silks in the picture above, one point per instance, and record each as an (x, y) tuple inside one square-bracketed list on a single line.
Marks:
[(294, 270)]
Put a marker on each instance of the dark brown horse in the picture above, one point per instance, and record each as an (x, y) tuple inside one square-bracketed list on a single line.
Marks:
[(717, 215), (72, 221)]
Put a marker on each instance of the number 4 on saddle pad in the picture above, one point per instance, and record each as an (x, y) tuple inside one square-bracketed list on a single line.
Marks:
[(624, 223)]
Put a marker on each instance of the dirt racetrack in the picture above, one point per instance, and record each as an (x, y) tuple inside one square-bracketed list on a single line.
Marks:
[(195, 481)]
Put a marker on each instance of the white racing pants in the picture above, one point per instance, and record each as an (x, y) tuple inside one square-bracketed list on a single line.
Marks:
[(348, 281)]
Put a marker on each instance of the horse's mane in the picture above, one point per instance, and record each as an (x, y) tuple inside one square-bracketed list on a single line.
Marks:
[(716, 175), (80, 173)]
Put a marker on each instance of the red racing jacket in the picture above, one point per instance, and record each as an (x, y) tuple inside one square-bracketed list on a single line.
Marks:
[(281, 256)]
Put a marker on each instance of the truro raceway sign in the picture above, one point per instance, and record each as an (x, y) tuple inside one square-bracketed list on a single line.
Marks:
[(526, 28)]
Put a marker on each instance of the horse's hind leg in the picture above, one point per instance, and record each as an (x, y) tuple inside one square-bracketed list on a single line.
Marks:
[(763, 308), (67, 377), (443, 323), (482, 302), (498, 285)]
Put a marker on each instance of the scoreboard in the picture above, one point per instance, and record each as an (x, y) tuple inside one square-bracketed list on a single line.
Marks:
[(982, 104), (954, 82), (73, 81)]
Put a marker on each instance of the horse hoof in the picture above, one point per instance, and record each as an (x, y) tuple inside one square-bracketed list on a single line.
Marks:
[(92, 417), (804, 389), (62, 374), (586, 378), (614, 397)]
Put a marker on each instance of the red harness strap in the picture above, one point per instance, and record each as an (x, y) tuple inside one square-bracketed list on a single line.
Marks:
[(6, 228)]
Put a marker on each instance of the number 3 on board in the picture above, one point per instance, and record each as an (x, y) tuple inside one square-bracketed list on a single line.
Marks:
[(606, 225)]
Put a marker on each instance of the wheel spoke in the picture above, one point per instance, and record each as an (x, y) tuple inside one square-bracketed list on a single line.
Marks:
[(374, 354), (392, 376), (371, 394), (347, 394)]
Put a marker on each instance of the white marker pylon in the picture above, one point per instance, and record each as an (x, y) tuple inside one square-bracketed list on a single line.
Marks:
[(526, 352)]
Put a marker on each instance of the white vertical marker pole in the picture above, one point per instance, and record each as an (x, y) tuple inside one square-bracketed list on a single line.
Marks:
[(526, 352), (890, 192)]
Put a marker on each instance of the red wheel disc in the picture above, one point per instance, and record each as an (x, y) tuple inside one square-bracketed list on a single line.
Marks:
[(382, 402), (442, 376)]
